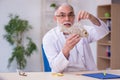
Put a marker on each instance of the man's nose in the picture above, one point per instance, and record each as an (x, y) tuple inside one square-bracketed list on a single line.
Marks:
[(67, 17)]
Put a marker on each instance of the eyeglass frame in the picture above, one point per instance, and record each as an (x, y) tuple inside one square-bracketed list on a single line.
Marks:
[(62, 15)]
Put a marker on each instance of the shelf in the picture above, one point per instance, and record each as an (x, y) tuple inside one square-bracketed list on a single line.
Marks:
[(105, 18), (104, 57), (109, 45), (105, 43), (106, 5), (49, 13)]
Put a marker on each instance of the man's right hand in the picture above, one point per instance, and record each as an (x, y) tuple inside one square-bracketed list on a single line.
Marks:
[(70, 43)]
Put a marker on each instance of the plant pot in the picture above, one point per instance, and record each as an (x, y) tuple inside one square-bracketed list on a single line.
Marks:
[(52, 8)]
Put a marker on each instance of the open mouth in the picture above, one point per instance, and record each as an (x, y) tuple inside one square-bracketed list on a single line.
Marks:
[(67, 24)]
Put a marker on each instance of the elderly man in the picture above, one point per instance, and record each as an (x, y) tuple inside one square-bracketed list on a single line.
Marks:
[(71, 52)]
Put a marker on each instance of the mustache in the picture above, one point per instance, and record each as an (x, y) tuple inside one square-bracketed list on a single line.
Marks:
[(62, 25)]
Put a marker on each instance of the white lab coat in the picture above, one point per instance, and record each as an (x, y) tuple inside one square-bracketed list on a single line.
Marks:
[(80, 58)]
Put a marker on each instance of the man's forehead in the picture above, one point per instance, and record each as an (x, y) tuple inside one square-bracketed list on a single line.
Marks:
[(65, 9)]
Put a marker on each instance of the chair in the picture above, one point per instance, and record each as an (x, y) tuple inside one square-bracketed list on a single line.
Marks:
[(45, 61)]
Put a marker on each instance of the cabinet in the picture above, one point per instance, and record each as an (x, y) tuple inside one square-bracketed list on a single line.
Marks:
[(108, 48)]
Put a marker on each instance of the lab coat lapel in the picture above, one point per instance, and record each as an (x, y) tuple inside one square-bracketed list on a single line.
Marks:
[(80, 49)]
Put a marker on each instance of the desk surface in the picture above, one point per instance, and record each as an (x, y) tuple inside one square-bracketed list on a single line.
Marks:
[(50, 76)]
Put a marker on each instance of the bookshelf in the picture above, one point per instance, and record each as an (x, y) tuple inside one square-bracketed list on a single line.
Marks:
[(108, 48)]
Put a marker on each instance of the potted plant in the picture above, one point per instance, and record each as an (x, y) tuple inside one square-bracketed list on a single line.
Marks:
[(53, 6), (15, 35)]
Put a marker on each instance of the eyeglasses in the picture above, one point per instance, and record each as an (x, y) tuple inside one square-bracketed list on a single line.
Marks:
[(63, 15)]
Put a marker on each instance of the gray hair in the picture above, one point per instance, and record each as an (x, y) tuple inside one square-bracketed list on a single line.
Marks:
[(63, 4)]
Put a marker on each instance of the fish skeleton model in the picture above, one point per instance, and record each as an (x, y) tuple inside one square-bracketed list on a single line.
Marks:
[(77, 28)]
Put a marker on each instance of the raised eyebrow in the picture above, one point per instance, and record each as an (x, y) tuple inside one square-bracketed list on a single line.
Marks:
[(62, 13), (71, 13), (68, 13)]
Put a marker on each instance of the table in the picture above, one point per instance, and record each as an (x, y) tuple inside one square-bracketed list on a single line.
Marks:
[(50, 76)]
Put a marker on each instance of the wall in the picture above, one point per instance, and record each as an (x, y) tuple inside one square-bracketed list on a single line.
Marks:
[(29, 10)]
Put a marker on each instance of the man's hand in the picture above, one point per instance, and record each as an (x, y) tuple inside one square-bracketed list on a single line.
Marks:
[(70, 43), (86, 15)]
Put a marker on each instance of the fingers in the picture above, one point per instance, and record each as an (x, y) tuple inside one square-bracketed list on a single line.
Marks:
[(75, 41), (73, 36), (72, 40), (70, 43), (83, 15)]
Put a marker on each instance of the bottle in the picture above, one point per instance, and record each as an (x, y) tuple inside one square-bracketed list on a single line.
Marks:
[(108, 23), (108, 51)]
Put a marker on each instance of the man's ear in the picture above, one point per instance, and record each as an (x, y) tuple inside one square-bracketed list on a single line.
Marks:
[(55, 18)]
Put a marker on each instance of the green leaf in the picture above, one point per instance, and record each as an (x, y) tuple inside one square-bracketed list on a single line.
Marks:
[(9, 39), (30, 47), (15, 30)]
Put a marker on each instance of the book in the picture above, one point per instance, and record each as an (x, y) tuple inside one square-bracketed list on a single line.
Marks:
[(102, 75)]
